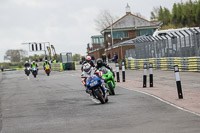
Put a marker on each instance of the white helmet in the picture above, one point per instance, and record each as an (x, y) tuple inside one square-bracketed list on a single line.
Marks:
[(33, 61), (87, 68), (26, 61)]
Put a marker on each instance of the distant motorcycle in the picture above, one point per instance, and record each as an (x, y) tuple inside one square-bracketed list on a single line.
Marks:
[(27, 71), (47, 70), (96, 88), (34, 71)]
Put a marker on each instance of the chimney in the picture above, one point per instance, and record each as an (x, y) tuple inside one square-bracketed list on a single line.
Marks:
[(128, 9)]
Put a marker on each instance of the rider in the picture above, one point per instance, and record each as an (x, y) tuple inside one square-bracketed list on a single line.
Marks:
[(101, 65), (88, 70), (34, 65), (27, 64), (1, 68), (46, 63), (88, 60)]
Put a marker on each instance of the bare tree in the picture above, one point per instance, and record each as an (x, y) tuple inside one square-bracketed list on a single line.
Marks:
[(104, 19), (139, 15), (154, 13), (15, 55)]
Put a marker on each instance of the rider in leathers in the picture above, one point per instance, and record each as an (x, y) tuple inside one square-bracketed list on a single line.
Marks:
[(88, 70), (27, 64), (101, 65), (88, 60)]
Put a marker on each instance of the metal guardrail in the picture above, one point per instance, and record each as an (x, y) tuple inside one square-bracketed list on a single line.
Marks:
[(168, 63), (183, 42)]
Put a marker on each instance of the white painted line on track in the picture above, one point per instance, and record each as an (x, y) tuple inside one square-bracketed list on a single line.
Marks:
[(162, 100)]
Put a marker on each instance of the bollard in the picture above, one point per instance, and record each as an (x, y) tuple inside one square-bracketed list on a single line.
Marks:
[(178, 82), (145, 76), (151, 74), (123, 72), (117, 72)]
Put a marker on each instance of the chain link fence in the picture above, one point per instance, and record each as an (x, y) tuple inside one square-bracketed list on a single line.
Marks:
[(171, 43)]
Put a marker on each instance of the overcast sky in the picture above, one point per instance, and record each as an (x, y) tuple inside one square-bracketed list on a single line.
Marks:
[(67, 24)]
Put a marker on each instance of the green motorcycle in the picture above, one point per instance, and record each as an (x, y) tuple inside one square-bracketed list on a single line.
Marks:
[(108, 77)]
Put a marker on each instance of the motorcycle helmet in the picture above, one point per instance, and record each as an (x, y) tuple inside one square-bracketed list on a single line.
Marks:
[(26, 62), (99, 63), (87, 68), (88, 58), (33, 62)]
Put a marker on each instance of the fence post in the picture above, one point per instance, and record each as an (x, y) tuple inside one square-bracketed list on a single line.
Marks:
[(178, 82), (123, 71), (117, 72), (151, 74), (145, 76)]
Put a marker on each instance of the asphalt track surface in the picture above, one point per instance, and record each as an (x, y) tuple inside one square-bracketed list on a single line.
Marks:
[(59, 104)]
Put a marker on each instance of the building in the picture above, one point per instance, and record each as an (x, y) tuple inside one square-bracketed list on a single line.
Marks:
[(97, 48), (116, 36)]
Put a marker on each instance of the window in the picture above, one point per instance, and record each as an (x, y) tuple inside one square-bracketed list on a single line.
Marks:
[(95, 40), (144, 32), (120, 34)]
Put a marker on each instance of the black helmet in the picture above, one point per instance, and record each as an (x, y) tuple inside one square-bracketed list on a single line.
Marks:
[(99, 63)]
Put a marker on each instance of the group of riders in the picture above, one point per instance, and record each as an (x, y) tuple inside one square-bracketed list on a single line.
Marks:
[(34, 66), (99, 70)]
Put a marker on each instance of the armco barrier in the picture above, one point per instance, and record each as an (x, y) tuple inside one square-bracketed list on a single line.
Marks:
[(60, 66), (56, 67), (185, 63)]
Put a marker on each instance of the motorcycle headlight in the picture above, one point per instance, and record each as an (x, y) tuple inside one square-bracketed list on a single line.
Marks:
[(93, 83)]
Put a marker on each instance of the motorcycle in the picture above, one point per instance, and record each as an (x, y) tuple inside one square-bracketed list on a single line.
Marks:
[(108, 77), (34, 71), (96, 88), (47, 70), (27, 71)]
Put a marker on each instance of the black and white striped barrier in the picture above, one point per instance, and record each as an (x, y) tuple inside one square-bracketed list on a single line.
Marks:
[(117, 72), (178, 82), (123, 72), (151, 74), (145, 76)]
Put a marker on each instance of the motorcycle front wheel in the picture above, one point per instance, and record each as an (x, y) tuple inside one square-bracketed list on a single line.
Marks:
[(111, 88), (99, 95)]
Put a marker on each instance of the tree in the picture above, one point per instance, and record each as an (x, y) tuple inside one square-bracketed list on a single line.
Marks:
[(15, 55), (139, 15), (167, 16), (174, 15), (76, 57), (160, 14), (154, 13), (104, 19), (197, 15)]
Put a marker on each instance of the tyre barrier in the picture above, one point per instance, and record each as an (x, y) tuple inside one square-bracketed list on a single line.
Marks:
[(191, 64)]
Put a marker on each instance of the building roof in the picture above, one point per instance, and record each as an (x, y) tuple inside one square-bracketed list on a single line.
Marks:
[(132, 21), (97, 36)]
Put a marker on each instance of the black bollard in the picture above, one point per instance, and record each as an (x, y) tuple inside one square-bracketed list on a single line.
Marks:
[(145, 76), (123, 72), (117, 72), (178, 82), (151, 74)]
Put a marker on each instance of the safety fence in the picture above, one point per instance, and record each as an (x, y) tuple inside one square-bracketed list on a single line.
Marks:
[(183, 42), (168, 63)]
